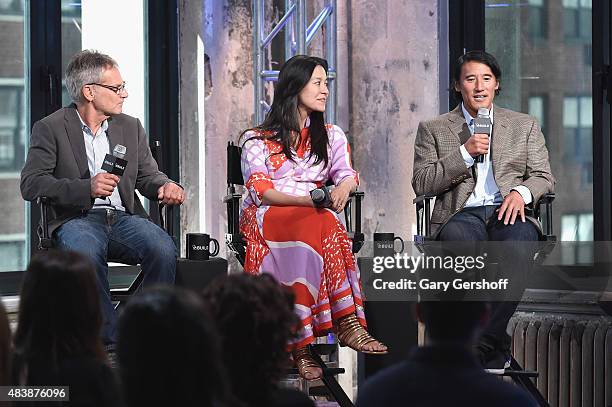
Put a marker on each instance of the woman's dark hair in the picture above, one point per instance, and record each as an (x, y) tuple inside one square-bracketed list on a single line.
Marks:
[(169, 351), (452, 320), (255, 318), (59, 312), (283, 118), (476, 56), (5, 348)]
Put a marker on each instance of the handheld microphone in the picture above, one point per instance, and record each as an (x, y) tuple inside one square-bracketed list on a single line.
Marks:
[(321, 197), (482, 125), (115, 164)]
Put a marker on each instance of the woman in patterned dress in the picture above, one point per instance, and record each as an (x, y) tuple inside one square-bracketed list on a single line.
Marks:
[(305, 247)]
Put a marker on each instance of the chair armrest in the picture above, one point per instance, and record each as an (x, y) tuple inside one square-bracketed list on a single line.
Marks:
[(44, 240), (422, 198), (166, 218), (353, 224), (423, 215), (232, 200), (546, 200)]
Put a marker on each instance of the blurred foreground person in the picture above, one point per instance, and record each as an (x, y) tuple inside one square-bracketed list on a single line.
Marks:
[(255, 318), (169, 352), (445, 372), (5, 351), (57, 342)]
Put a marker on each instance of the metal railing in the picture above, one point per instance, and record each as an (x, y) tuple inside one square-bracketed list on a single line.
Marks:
[(297, 36)]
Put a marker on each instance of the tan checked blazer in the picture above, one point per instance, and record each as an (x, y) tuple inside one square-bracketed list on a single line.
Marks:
[(518, 151)]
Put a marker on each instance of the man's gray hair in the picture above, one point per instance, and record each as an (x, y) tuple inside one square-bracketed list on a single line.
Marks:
[(85, 67)]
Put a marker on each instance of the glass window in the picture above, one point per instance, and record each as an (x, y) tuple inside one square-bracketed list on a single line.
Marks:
[(536, 109), (577, 227), (536, 19), (536, 80), (578, 133), (577, 19), (13, 253), (85, 25)]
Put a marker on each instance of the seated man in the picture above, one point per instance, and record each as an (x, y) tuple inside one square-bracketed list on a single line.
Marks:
[(445, 372), (481, 200), (94, 212)]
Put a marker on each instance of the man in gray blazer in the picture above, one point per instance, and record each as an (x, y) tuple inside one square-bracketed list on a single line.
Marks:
[(94, 212), (483, 201)]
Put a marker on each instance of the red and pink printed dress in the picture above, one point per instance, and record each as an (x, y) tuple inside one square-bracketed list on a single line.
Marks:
[(304, 248)]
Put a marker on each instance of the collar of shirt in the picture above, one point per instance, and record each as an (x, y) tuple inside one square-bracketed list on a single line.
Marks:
[(469, 118), (85, 127)]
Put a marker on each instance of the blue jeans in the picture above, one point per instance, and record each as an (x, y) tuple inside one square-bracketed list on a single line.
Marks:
[(102, 234), (481, 224)]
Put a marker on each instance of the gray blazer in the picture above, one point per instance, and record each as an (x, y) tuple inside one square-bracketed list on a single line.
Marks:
[(518, 152), (56, 166)]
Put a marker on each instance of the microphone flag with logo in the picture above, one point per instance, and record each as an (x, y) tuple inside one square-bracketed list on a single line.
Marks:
[(483, 125), (115, 164)]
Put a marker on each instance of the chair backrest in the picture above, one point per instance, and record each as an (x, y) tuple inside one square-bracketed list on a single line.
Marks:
[(234, 172)]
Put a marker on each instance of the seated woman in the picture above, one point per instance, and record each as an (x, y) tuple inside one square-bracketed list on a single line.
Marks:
[(304, 246)]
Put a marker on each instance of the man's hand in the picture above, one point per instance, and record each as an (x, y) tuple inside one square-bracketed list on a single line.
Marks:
[(171, 194), (340, 194), (477, 144), (103, 184), (513, 205)]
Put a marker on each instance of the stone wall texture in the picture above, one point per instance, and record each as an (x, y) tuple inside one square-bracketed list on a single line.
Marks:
[(387, 53), (393, 62)]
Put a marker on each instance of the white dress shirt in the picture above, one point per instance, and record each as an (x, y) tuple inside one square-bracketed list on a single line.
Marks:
[(486, 191), (96, 147)]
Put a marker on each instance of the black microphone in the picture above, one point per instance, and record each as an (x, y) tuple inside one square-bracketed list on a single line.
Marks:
[(483, 125), (115, 164), (321, 197)]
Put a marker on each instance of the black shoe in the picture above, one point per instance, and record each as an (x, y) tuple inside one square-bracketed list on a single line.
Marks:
[(493, 360)]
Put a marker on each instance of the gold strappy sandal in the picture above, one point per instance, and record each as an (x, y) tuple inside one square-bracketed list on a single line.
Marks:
[(309, 369), (352, 334)]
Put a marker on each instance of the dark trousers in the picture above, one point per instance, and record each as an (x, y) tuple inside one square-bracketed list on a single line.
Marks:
[(481, 224), (102, 234)]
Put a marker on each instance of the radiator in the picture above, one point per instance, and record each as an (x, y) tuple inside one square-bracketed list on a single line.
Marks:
[(572, 354)]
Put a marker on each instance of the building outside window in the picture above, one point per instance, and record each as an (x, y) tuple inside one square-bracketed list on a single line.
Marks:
[(577, 19)]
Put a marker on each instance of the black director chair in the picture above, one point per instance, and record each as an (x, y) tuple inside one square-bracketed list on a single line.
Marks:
[(423, 211), (163, 218), (235, 242)]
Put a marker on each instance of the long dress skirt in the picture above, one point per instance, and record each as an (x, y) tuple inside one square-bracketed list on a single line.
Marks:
[(308, 250)]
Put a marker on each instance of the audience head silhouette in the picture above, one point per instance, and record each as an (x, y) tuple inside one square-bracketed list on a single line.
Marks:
[(452, 321), (254, 315), (5, 348), (168, 351), (59, 310)]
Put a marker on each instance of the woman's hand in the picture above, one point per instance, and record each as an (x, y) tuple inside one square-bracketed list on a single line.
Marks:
[(340, 194), (273, 197)]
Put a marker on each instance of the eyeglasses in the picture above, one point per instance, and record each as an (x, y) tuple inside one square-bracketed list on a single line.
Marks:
[(117, 89)]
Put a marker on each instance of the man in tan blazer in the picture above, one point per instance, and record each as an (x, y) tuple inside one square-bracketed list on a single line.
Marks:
[(483, 201)]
